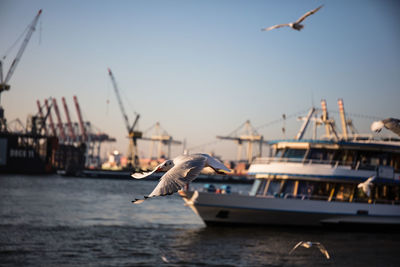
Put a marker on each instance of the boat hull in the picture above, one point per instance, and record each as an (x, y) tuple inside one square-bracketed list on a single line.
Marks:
[(244, 209)]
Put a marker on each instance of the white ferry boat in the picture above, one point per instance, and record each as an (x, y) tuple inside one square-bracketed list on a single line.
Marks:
[(313, 183)]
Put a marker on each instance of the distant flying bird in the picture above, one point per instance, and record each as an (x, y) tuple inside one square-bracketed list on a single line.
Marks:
[(389, 123), (180, 172), (294, 25), (309, 244), (366, 186)]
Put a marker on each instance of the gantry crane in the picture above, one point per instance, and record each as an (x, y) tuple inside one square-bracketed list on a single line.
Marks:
[(4, 86), (250, 136), (133, 158), (162, 138)]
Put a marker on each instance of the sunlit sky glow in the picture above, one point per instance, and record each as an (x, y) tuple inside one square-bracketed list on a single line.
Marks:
[(202, 68)]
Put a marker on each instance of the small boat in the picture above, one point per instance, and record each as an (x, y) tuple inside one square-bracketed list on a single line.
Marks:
[(313, 182)]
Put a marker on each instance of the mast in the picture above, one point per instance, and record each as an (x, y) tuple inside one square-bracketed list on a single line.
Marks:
[(305, 124), (343, 118)]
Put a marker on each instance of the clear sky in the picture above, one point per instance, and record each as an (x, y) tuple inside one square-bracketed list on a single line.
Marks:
[(202, 68)]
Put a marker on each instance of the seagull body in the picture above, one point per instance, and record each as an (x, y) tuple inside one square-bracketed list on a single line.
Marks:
[(366, 186), (389, 123), (294, 25), (309, 244), (179, 172)]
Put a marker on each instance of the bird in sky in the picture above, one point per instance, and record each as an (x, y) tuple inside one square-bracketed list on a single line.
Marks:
[(309, 244), (389, 123), (294, 25), (366, 186), (179, 172)]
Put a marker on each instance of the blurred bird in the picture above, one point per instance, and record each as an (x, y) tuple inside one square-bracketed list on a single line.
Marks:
[(180, 172), (294, 25), (366, 186), (309, 244), (389, 123)]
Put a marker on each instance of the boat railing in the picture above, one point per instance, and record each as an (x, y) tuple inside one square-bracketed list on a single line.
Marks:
[(330, 199), (269, 160)]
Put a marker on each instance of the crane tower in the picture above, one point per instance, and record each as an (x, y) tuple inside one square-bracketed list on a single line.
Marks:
[(133, 158)]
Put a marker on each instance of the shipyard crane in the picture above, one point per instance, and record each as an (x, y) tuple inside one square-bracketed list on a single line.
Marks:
[(4, 86), (250, 136), (162, 138), (133, 158)]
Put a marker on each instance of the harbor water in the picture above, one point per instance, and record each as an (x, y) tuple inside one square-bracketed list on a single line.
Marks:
[(67, 221)]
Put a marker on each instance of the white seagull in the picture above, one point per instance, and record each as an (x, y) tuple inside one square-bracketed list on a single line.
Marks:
[(389, 123), (294, 25), (366, 186), (309, 244), (179, 172)]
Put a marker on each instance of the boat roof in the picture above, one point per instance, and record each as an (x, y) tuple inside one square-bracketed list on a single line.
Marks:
[(387, 144)]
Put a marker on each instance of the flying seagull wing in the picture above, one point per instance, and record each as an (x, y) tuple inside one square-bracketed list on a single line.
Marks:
[(393, 125), (323, 250), (296, 246), (177, 177), (275, 27), (141, 175), (216, 164), (308, 14)]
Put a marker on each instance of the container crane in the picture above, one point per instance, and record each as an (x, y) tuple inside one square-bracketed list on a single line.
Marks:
[(69, 123), (60, 124), (250, 136), (162, 138), (52, 127), (4, 86), (133, 159)]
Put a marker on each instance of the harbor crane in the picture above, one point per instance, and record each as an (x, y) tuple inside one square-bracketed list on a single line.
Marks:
[(250, 136), (133, 158), (4, 86), (162, 138)]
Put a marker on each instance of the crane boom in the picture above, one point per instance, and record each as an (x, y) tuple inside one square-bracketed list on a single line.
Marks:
[(3, 83), (60, 124), (125, 117), (133, 159), (81, 125), (69, 123)]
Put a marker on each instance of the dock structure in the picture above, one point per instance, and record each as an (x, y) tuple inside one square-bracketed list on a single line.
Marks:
[(80, 146)]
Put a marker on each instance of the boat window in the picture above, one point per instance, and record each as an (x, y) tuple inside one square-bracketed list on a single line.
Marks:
[(256, 186), (323, 190), (344, 192), (279, 153), (321, 154), (274, 187), (306, 188), (396, 162), (295, 153), (288, 188)]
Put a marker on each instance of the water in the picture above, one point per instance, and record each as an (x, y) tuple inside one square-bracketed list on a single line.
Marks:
[(60, 221)]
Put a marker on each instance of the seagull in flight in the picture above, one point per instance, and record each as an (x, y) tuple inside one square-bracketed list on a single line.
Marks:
[(294, 25), (389, 123), (309, 244), (179, 172), (366, 186)]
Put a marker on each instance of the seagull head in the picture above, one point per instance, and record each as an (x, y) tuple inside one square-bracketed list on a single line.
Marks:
[(165, 166), (377, 126), (296, 26)]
